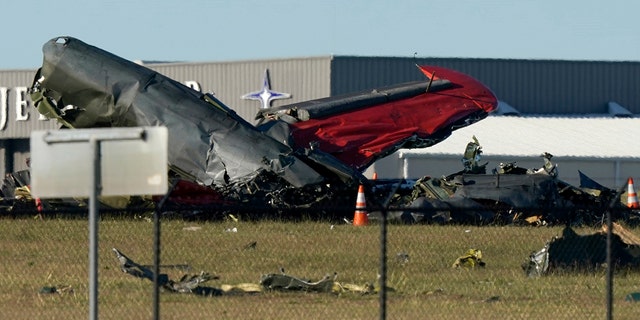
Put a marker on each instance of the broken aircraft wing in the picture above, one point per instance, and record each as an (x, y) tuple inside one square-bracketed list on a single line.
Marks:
[(363, 127), (211, 144)]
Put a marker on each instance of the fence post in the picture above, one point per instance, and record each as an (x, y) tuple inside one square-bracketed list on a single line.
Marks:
[(383, 265), (156, 250)]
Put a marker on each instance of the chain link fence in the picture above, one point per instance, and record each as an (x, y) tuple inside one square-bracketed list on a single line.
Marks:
[(234, 267)]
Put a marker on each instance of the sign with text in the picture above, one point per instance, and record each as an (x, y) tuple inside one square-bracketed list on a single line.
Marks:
[(131, 161)]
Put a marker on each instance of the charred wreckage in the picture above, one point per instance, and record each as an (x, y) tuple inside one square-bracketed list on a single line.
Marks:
[(306, 156), (509, 195)]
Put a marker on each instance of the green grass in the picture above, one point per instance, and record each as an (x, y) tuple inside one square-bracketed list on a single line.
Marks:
[(54, 252)]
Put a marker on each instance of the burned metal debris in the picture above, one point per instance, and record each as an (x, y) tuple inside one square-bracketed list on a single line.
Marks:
[(308, 155), (508, 195), (273, 281), (328, 284), (298, 156), (186, 284), (283, 281), (574, 252)]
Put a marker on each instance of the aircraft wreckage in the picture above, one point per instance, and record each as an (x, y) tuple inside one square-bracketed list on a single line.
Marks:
[(300, 155), (308, 155), (508, 195)]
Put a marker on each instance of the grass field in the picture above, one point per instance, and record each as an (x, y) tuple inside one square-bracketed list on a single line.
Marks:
[(39, 253)]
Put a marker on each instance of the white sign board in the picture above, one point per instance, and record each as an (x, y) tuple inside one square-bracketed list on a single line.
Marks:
[(133, 161)]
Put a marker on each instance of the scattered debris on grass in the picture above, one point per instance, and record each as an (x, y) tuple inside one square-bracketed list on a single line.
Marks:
[(632, 297), (471, 259), (584, 252), (283, 281), (402, 258), (274, 281), (61, 289)]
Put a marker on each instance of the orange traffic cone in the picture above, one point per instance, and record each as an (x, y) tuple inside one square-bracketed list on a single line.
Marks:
[(360, 218), (632, 197), (375, 176)]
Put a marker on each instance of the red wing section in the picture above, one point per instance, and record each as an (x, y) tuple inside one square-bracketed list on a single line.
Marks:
[(359, 137)]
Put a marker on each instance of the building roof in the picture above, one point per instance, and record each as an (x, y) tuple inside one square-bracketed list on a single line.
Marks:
[(570, 136)]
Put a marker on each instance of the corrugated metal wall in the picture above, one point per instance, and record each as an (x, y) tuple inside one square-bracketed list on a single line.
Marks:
[(304, 79), (531, 86)]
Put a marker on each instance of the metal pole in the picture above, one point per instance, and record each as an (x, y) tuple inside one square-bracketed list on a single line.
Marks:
[(383, 265), (156, 264), (609, 254), (609, 267), (156, 251), (93, 229)]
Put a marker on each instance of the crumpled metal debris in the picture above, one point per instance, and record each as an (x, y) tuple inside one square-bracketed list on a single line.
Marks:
[(328, 284), (275, 281), (189, 283), (559, 254), (538, 263), (131, 267), (508, 195), (302, 155), (283, 281), (186, 284)]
